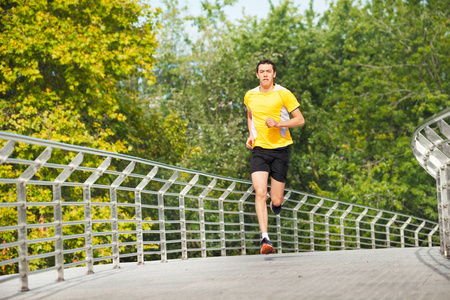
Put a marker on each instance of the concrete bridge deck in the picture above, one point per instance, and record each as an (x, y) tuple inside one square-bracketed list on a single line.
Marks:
[(410, 273)]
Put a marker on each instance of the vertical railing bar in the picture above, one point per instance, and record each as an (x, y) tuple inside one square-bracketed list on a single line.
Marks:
[(57, 213), (372, 229), (115, 214), (311, 224), (295, 212), (402, 232), (22, 212), (114, 228), (183, 193), (89, 240), (430, 235), (441, 187), (201, 207), (327, 226), (341, 221), (358, 232), (416, 233), (57, 197), (388, 233), (22, 236), (225, 194), (242, 218), (139, 226), (279, 237), (445, 213), (161, 214), (139, 232)]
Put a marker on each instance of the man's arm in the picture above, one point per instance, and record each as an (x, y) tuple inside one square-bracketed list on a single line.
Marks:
[(296, 121), (251, 139)]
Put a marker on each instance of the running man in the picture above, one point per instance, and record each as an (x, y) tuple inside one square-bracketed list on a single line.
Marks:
[(268, 108)]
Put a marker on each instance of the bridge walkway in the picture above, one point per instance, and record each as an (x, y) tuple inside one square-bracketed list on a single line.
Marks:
[(409, 273)]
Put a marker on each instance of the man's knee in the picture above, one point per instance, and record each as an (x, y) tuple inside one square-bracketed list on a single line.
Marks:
[(277, 200), (261, 193)]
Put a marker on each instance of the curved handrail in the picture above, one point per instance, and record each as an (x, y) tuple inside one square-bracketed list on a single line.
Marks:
[(418, 133), (83, 206), (431, 147)]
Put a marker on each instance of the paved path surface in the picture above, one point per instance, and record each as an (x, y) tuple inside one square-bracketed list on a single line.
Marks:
[(412, 273)]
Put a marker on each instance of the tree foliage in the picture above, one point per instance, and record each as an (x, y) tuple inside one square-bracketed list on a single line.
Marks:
[(66, 70), (366, 77)]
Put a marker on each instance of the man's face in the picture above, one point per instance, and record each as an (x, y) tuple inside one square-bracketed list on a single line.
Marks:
[(266, 75)]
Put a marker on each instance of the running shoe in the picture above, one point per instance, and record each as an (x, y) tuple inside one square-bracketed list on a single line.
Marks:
[(275, 209), (266, 246)]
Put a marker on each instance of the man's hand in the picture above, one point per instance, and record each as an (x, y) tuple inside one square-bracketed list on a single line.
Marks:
[(271, 123), (250, 142)]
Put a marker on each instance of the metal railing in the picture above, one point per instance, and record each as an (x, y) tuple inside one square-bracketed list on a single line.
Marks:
[(431, 146), (64, 206)]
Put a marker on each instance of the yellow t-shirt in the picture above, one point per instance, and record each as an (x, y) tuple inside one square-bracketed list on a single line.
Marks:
[(276, 104)]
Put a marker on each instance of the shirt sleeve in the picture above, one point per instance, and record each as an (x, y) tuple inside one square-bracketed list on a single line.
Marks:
[(290, 102), (246, 100)]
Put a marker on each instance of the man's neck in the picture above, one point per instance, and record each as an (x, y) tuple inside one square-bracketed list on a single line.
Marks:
[(262, 89)]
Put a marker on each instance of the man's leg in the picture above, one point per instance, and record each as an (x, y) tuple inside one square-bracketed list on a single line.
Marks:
[(279, 169), (277, 191), (259, 180)]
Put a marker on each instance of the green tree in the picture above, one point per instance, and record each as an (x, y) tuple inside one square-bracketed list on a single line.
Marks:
[(63, 65), (392, 59), (65, 75), (365, 76)]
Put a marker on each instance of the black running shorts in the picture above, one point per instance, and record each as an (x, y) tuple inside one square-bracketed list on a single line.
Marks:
[(274, 161)]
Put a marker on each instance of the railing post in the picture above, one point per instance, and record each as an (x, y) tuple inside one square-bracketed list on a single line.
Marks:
[(341, 221), (430, 235), (327, 225), (416, 233), (114, 228), (88, 240), (114, 213), (183, 193), (372, 229), (444, 210), (222, 218), (402, 231), (242, 218), (139, 234), (311, 223), (279, 239), (162, 221), (22, 236), (358, 234), (296, 208), (388, 234), (441, 192), (59, 246), (138, 201), (22, 212), (201, 207)]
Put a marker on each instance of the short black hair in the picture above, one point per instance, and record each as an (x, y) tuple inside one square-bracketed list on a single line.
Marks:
[(265, 61)]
